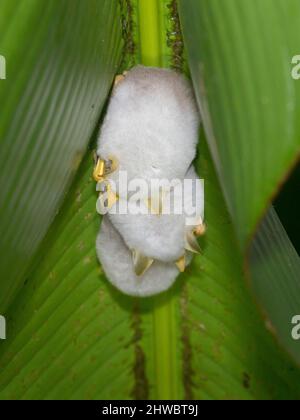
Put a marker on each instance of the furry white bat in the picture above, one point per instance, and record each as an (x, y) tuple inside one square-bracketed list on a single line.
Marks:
[(121, 265), (116, 260), (150, 130), (162, 236), (151, 125)]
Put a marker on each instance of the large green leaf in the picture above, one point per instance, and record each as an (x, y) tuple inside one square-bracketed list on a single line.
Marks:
[(240, 54), (61, 57), (275, 268), (71, 335)]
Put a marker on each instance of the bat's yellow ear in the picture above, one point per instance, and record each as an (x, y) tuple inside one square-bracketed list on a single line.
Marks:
[(99, 170), (104, 167), (180, 264), (200, 230), (191, 243), (141, 263), (119, 78)]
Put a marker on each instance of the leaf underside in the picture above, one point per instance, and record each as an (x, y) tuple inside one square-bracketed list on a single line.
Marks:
[(73, 336), (240, 55), (58, 77)]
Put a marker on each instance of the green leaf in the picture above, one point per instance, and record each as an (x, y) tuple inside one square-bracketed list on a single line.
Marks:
[(240, 55), (72, 335), (275, 269), (61, 58)]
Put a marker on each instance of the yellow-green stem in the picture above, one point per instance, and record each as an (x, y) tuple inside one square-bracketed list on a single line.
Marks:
[(164, 309)]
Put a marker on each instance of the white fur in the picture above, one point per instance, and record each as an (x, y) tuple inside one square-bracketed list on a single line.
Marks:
[(159, 237), (116, 256), (116, 262), (151, 128), (151, 125)]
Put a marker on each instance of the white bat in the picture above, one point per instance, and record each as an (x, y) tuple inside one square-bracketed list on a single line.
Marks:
[(150, 132)]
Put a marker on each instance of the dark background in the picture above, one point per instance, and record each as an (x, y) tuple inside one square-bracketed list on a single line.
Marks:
[(287, 205)]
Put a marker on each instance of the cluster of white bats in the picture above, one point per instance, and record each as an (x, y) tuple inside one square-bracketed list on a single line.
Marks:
[(150, 131)]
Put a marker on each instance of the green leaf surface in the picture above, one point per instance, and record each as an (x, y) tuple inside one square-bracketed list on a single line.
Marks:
[(73, 336), (61, 58), (275, 268), (240, 53)]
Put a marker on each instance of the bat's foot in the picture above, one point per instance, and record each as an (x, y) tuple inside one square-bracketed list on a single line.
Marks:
[(119, 78), (180, 263), (200, 230)]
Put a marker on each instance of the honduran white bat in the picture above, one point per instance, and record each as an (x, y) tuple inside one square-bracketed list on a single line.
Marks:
[(149, 133)]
